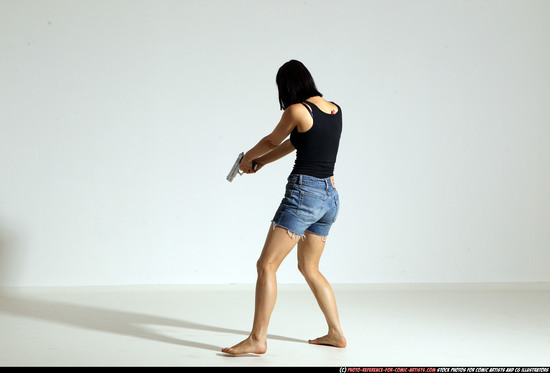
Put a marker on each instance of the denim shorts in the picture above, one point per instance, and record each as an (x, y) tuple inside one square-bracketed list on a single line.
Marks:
[(310, 204)]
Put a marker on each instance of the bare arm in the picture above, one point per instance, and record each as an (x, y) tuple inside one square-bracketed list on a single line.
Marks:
[(292, 117), (279, 152)]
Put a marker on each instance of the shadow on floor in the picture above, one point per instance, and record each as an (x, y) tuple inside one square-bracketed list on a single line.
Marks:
[(111, 321)]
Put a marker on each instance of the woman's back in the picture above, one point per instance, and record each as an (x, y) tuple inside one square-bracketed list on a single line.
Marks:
[(317, 142)]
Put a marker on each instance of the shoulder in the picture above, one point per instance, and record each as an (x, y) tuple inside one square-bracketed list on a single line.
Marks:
[(296, 112), (298, 116), (296, 109)]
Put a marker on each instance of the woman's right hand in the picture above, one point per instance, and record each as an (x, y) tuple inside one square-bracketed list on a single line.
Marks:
[(246, 165)]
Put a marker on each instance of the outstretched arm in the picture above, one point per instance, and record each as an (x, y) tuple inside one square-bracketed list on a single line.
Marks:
[(279, 152), (293, 116)]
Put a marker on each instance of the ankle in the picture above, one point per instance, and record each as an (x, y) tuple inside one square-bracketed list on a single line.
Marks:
[(336, 333), (258, 337)]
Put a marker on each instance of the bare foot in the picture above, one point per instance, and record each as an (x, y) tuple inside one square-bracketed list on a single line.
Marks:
[(249, 345), (330, 340)]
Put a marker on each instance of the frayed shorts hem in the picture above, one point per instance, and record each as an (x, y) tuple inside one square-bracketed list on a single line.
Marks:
[(290, 232), (293, 235)]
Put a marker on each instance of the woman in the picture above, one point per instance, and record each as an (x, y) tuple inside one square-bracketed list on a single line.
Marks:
[(309, 207)]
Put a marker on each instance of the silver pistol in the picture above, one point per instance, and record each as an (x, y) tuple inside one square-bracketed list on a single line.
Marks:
[(236, 168)]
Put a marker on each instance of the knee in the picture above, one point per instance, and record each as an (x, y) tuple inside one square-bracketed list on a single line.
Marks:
[(308, 271), (265, 266)]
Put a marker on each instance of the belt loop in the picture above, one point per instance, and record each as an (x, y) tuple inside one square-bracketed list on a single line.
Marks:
[(299, 179)]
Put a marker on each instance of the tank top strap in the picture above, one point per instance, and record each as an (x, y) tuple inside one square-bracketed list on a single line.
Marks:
[(311, 104), (306, 103)]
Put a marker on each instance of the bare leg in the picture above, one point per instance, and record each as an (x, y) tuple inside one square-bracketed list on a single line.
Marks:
[(277, 246), (309, 255)]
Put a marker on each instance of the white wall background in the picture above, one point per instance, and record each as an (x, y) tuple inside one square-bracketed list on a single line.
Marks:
[(119, 121)]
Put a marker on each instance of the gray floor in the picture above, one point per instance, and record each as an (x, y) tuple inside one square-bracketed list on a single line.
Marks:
[(385, 325)]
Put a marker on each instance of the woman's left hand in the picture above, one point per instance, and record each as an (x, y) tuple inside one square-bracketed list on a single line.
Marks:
[(246, 165)]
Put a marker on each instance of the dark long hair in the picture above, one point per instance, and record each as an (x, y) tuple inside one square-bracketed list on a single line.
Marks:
[(295, 84)]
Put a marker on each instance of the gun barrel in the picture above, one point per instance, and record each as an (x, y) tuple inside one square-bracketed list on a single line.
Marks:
[(235, 169)]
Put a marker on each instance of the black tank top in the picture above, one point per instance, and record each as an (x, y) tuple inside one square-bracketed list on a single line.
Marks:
[(317, 148)]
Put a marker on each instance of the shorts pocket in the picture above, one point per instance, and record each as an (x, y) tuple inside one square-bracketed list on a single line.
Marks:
[(310, 208), (292, 198)]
